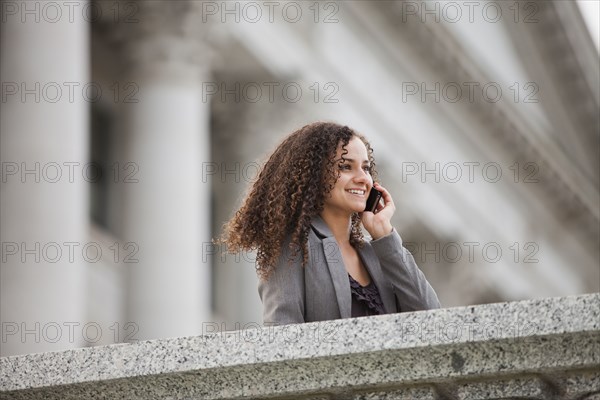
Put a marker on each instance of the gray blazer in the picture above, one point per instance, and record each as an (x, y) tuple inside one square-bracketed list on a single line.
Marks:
[(321, 290)]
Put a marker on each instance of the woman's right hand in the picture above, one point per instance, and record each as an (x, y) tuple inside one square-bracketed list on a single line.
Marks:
[(379, 224)]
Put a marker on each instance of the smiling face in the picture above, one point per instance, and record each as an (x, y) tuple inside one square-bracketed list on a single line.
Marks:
[(349, 195)]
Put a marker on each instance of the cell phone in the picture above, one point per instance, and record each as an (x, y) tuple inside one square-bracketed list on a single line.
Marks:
[(373, 200)]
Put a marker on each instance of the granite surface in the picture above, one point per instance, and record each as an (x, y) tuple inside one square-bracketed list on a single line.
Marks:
[(535, 349)]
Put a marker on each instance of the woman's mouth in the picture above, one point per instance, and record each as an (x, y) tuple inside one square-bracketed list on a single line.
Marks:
[(356, 192)]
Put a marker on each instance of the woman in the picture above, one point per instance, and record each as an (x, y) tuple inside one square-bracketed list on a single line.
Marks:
[(303, 215)]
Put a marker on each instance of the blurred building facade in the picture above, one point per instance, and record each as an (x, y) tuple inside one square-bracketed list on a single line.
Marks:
[(483, 117)]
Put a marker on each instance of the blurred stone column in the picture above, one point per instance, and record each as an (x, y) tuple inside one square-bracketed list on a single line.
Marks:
[(44, 197), (242, 145), (237, 143), (166, 212)]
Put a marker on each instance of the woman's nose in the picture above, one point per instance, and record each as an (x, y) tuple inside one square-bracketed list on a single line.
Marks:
[(362, 176)]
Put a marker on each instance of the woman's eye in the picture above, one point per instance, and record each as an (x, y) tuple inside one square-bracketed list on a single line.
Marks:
[(368, 169), (344, 166)]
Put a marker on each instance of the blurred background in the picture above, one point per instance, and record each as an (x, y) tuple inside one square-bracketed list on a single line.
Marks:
[(131, 130)]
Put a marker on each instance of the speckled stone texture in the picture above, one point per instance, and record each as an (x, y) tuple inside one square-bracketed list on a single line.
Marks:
[(535, 349)]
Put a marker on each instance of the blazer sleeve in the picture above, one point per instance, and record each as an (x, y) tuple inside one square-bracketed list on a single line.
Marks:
[(283, 293), (411, 289)]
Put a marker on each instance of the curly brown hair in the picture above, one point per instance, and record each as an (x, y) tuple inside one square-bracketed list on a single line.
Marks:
[(291, 188)]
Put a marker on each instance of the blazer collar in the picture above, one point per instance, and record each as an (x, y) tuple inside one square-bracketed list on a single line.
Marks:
[(321, 227)]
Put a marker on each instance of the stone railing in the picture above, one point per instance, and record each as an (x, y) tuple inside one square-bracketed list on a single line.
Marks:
[(535, 349)]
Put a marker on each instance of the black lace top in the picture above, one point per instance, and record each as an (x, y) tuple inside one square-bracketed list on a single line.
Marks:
[(365, 299)]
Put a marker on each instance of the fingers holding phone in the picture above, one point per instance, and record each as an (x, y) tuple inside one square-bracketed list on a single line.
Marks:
[(388, 202), (378, 214)]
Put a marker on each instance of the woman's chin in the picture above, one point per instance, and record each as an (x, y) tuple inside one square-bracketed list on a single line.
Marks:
[(358, 208)]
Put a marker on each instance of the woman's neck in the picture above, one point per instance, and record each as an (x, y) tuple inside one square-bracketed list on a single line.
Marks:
[(339, 224)]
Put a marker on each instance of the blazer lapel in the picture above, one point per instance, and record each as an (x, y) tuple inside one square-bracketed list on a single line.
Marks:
[(337, 270), (371, 262), (339, 275)]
